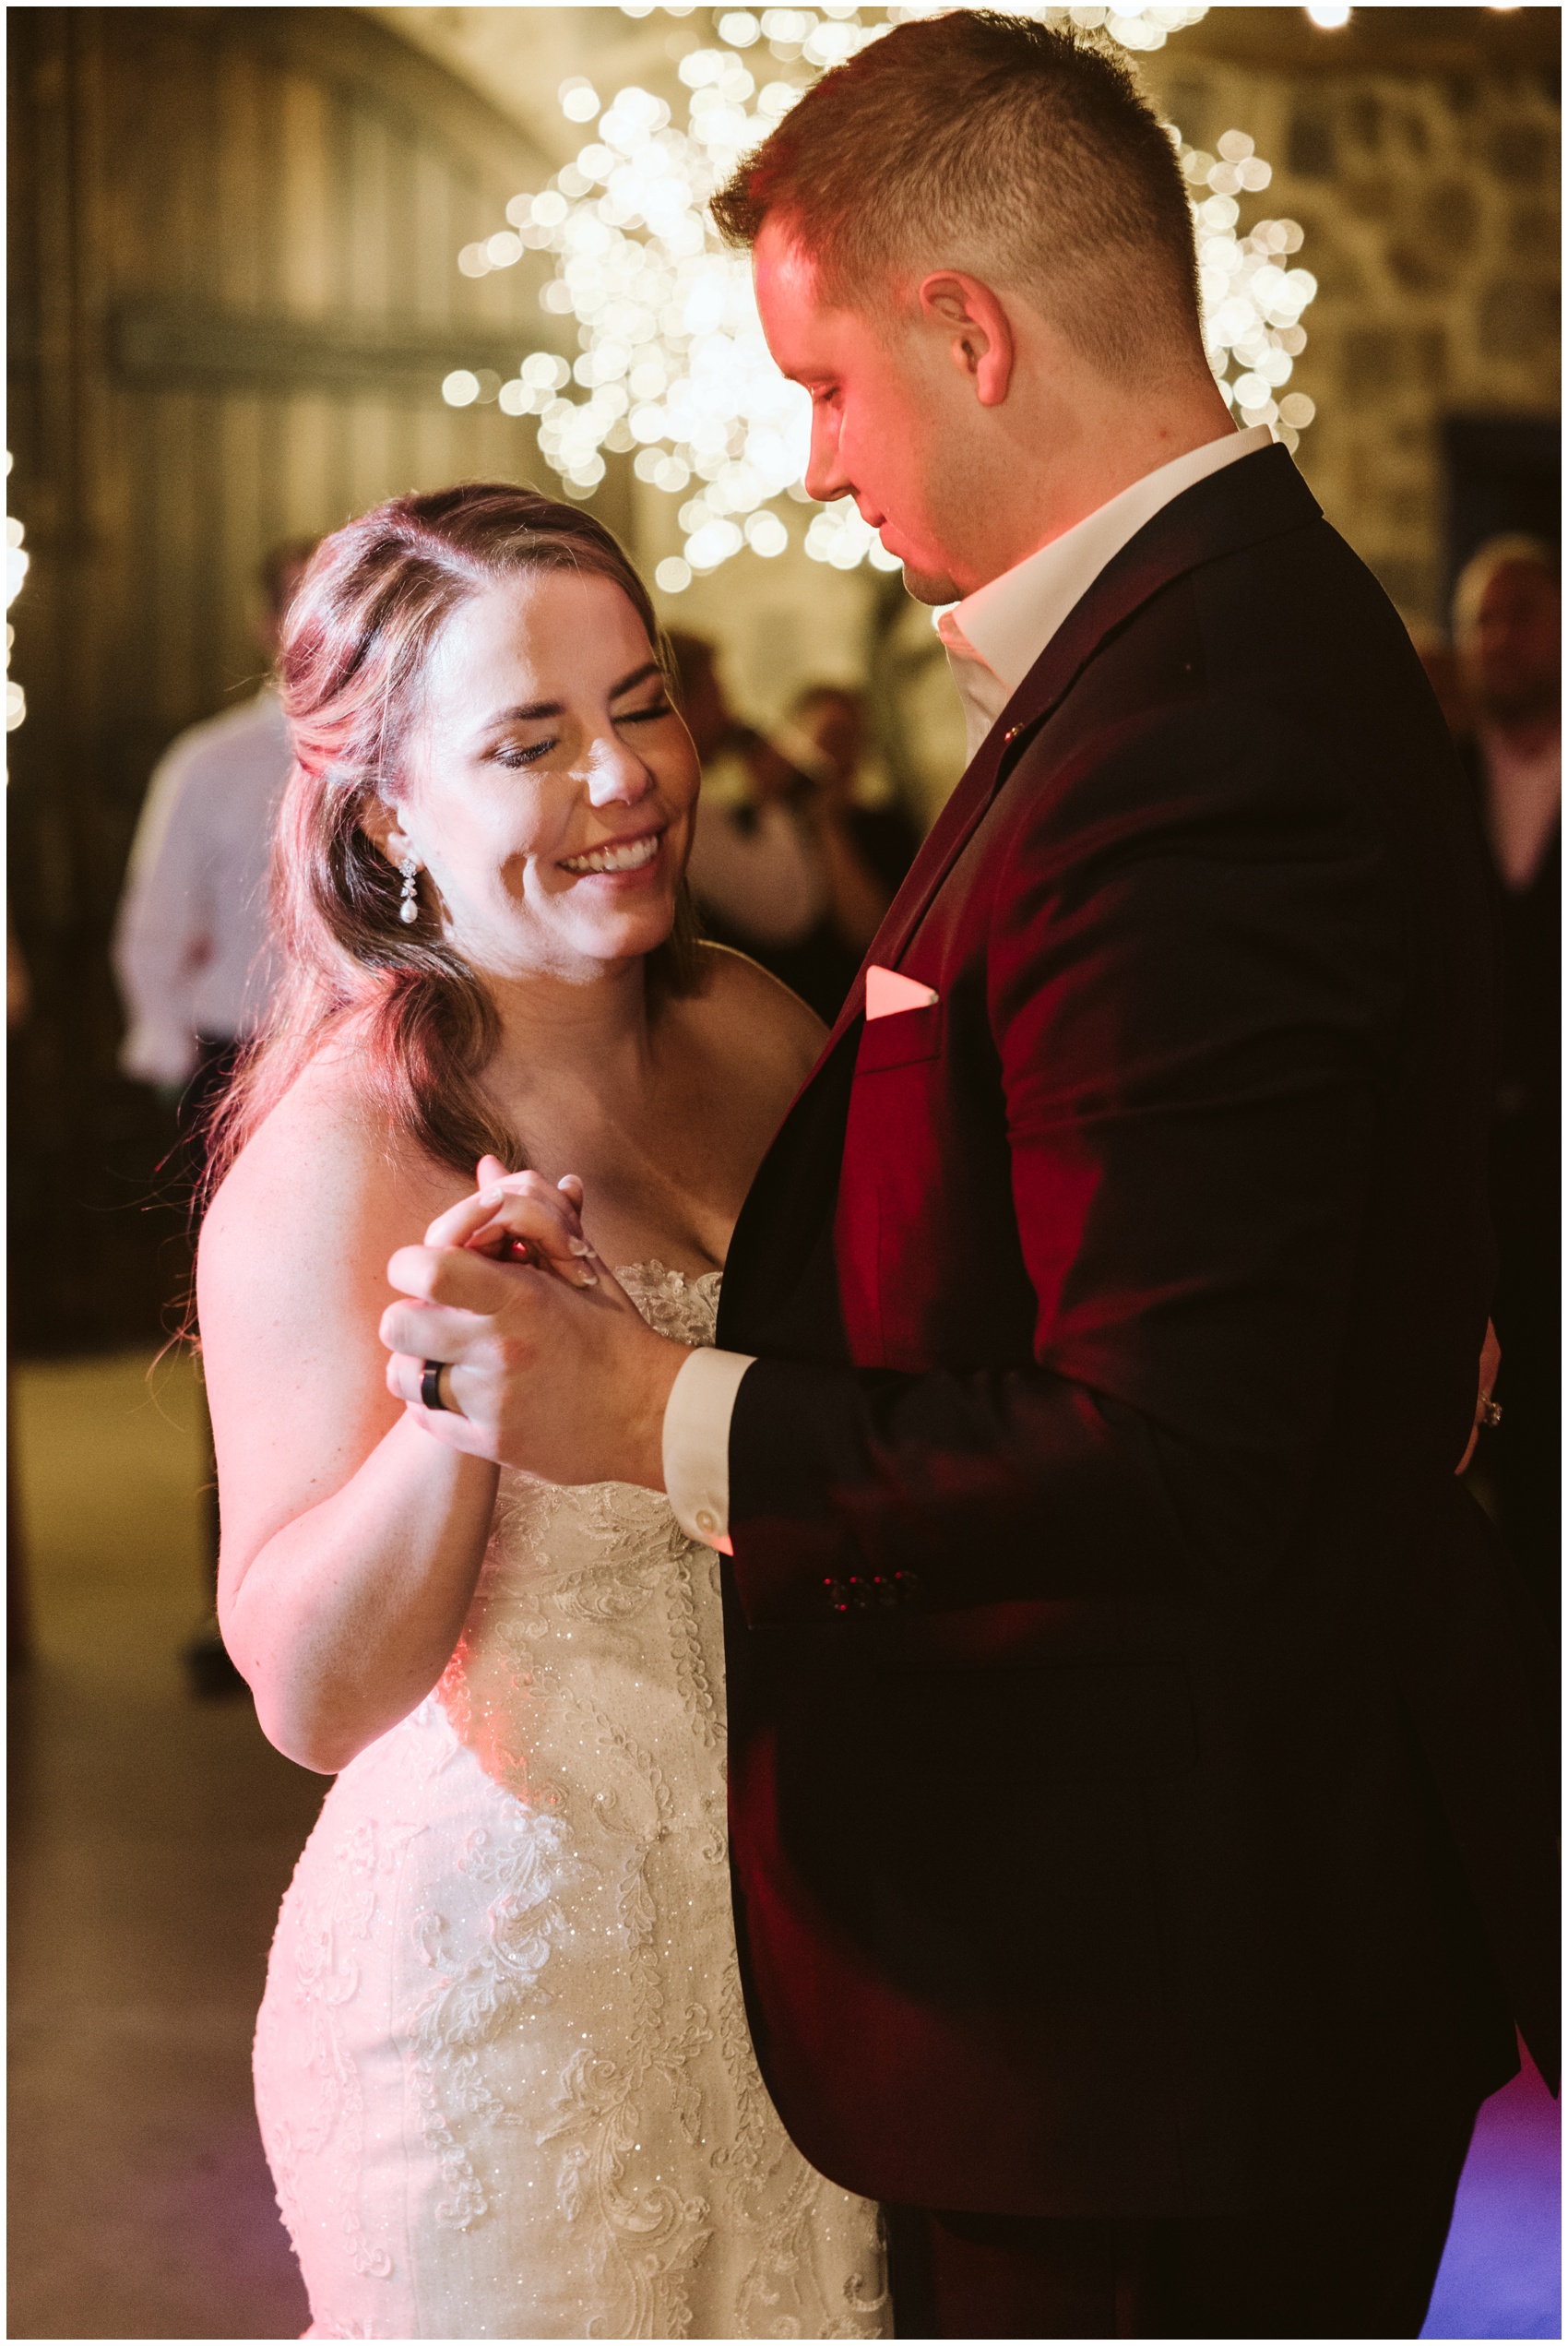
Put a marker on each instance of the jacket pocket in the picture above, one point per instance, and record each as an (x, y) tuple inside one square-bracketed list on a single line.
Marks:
[(901, 1039)]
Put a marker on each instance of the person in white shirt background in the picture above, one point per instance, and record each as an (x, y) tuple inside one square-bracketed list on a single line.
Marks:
[(1508, 636), (192, 948)]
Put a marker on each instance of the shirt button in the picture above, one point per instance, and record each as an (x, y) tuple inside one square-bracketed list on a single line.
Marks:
[(707, 1520), (1011, 734)]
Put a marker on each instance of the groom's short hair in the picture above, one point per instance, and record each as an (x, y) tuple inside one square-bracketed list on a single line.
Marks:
[(1028, 156)]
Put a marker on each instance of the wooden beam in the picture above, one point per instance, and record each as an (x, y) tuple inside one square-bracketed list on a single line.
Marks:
[(186, 344), (349, 49)]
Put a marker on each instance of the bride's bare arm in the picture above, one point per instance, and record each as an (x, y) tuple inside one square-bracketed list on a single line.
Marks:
[(351, 1542)]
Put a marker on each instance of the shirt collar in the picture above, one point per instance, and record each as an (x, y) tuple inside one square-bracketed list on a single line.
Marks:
[(993, 637)]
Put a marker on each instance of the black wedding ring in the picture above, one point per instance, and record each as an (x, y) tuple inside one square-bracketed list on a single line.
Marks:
[(430, 1385)]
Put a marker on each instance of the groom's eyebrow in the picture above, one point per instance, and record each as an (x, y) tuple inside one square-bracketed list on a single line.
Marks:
[(536, 709)]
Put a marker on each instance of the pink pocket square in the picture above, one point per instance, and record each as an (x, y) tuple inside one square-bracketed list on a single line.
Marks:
[(887, 993)]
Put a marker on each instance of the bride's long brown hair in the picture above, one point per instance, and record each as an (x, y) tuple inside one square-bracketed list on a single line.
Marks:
[(360, 632)]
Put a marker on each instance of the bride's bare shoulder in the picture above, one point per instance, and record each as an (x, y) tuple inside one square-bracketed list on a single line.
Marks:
[(322, 1184), (746, 1016)]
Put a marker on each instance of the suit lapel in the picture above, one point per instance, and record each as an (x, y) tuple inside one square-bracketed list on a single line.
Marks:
[(781, 1289), (1259, 496), (1181, 536)]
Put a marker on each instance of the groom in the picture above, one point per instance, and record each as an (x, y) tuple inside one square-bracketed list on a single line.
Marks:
[(1139, 1807)]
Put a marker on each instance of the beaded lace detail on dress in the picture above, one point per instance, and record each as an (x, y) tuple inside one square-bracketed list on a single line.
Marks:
[(502, 2068)]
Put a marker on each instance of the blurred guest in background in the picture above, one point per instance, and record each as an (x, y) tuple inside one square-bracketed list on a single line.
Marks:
[(752, 870), (1508, 632), (192, 946), (867, 848), (786, 864), (884, 834), (862, 851)]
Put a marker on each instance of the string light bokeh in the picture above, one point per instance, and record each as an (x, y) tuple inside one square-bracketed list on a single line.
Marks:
[(671, 366)]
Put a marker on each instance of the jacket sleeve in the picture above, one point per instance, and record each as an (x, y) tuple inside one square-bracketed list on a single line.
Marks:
[(1193, 974)]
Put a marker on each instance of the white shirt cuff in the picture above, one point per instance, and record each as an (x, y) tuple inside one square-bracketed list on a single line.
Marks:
[(696, 1443)]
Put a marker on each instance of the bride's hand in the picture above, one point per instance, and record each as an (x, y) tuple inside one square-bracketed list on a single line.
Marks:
[(518, 1218), (568, 1386)]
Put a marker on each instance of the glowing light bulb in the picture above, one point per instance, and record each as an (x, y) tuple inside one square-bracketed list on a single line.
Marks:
[(1329, 16), (579, 100)]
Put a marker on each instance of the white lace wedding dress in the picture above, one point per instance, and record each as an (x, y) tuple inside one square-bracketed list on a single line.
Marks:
[(501, 2065)]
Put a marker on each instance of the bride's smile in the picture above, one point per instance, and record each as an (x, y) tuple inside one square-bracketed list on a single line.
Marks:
[(617, 859)]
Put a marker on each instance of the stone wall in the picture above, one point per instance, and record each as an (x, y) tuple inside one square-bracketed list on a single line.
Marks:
[(1432, 212)]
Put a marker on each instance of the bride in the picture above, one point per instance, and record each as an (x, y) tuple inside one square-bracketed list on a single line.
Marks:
[(502, 2065)]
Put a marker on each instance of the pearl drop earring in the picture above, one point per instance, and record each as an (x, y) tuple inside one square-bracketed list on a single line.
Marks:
[(408, 911)]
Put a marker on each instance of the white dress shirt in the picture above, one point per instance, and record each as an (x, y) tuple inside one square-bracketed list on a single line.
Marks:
[(992, 639), (193, 949)]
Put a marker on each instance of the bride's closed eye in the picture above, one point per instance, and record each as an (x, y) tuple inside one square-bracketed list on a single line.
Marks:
[(516, 755)]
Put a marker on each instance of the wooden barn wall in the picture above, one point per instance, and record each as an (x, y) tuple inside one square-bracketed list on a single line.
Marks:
[(234, 294)]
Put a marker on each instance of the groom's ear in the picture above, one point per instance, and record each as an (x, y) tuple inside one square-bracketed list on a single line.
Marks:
[(979, 332)]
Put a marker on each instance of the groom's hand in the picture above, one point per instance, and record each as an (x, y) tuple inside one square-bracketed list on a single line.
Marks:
[(567, 1382)]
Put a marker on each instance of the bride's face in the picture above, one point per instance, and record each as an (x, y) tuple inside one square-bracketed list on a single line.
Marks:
[(548, 785)]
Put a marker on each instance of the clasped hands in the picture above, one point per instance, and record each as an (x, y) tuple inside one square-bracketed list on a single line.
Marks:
[(551, 1365)]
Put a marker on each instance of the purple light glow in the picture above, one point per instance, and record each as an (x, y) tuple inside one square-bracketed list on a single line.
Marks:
[(1500, 2275)]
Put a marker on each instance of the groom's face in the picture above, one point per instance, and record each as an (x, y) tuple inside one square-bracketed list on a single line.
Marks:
[(886, 426)]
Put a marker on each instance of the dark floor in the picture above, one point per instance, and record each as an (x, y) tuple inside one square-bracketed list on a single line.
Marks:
[(151, 1838)]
